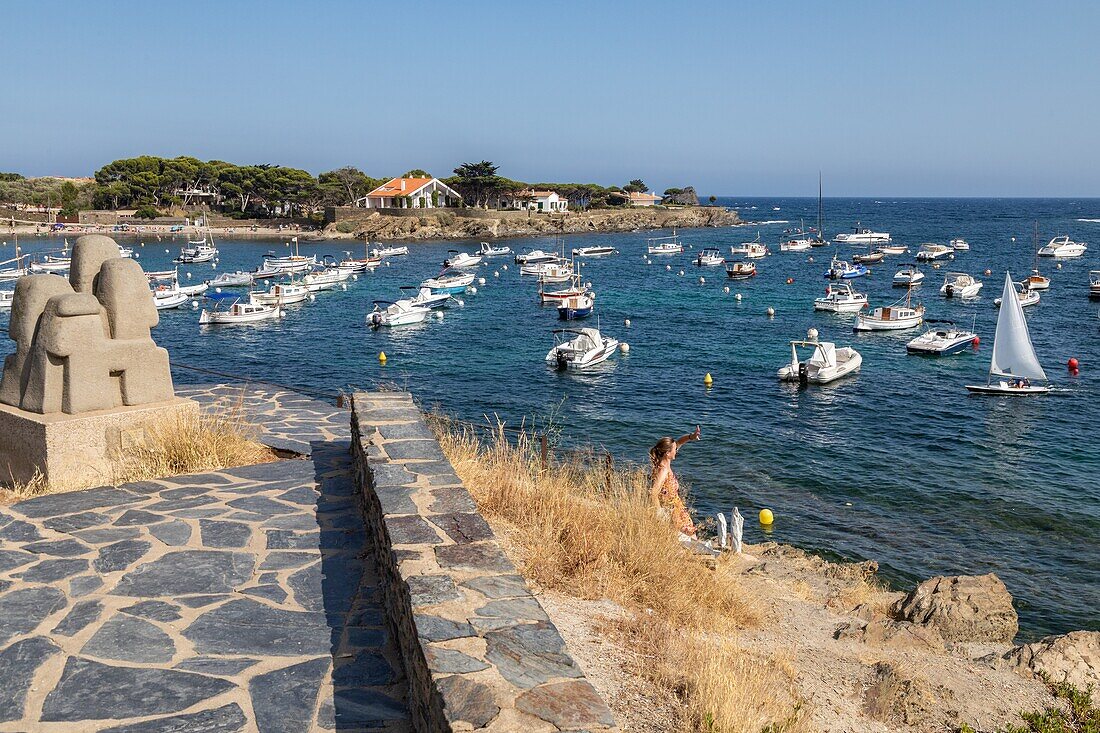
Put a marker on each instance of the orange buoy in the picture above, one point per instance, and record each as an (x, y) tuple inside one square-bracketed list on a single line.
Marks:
[(975, 341), (1072, 364), (790, 281)]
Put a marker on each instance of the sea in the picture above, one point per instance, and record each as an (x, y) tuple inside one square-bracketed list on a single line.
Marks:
[(898, 464)]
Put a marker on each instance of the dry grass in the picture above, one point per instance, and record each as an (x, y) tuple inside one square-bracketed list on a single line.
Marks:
[(585, 528)]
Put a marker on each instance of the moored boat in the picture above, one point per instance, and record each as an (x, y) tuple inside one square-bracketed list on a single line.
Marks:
[(397, 313), (959, 244), (893, 249), (841, 270), (908, 276), (488, 250), (6, 299), (1094, 284), (231, 280), (670, 245), (709, 257), (841, 298), (1063, 248), (894, 317), (448, 282), (236, 311), (740, 270), (1026, 295), (587, 348), (930, 251), (575, 307), (862, 236), (534, 257), (827, 363), (280, 294), (594, 251), (1014, 364), (461, 259), (169, 299), (392, 251), (960, 285), (426, 298), (869, 258), (941, 340)]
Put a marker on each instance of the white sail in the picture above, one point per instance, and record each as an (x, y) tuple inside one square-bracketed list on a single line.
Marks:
[(1013, 353)]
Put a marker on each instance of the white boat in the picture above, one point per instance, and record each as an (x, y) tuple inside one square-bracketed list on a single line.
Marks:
[(381, 252), (960, 245), (594, 251), (840, 298), (168, 299), (51, 264), (670, 245), (462, 259), (585, 349), (862, 236), (450, 283), (710, 257), (893, 249), (193, 290), (574, 289), (296, 262), (894, 317), (19, 269), (534, 257), (426, 298), (6, 298), (826, 364), (1063, 247), (1094, 284), (362, 264), (127, 252), (1014, 364), (554, 271), (941, 341), (162, 275), (237, 311), (908, 276), (1025, 295), (280, 294), (753, 250), (740, 270), (869, 258), (960, 285), (236, 279), (327, 279), (488, 250), (841, 270), (1037, 281), (930, 251), (578, 306), (397, 313)]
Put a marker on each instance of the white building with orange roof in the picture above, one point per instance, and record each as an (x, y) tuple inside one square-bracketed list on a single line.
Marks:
[(534, 201), (410, 193), (644, 199)]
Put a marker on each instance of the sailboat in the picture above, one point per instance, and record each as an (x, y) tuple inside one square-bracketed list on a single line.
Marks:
[(20, 269), (1014, 364), (1036, 280)]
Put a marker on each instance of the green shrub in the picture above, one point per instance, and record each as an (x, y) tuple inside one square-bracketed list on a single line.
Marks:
[(346, 227), (147, 212), (1077, 714)]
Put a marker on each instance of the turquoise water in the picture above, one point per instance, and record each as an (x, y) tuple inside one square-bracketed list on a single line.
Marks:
[(898, 464)]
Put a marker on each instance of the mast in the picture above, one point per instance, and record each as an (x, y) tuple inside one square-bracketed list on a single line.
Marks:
[(820, 229)]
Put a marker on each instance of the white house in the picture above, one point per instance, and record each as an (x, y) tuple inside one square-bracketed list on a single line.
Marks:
[(534, 201), (410, 193), (644, 199)]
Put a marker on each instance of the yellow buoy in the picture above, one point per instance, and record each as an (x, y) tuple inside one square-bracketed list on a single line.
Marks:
[(708, 380), (766, 517), (381, 357)]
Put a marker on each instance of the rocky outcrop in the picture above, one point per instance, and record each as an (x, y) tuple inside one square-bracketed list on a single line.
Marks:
[(686, 197), (962, 608), (1072, 658), (457, 224), (901, 696), (887, 633)]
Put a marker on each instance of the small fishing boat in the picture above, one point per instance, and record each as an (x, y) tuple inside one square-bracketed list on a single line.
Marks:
[(1094, 284), (941, 341), (327, 279), (196, 255), (1063, 248), (488, 250), (862, 236), (740, 270), (1014, 364), (462, 259), (574, 288), (753, 250), (930, 251), (826, 364), (841, 298), (6, 299), (381, 252), (162, 274), (841, 270), (801, 244), (594, 251), (959, 245), (296, 262), (168, 299), (960, 285), (192, 290), (710, 257), (1036, 280), (894, 317), (127, 252), (236, 279), (870, 258), (551, 272), (16, 272), (893, 249), (426, 298), (397, 313), (670, 245), (1025, 295), (235, 311), (448, 282), (576, 307), (534, 257), (587, 348), (908, 276), (280, 294)]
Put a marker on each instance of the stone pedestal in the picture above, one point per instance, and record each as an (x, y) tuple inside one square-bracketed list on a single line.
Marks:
[(74, 451)]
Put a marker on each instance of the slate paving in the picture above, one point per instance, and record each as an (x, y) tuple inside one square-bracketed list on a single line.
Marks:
[(239, 600)]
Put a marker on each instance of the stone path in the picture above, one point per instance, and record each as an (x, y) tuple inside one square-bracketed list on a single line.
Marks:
[(243, 599)]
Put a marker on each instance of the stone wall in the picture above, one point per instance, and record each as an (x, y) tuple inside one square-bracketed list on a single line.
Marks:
[(479, 650)]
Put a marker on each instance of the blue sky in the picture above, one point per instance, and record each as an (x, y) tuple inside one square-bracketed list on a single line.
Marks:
[(885, 98)]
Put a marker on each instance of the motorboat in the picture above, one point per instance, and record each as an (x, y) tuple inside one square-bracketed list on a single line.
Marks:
[(534, 257), (841, 298), (594, 251), (397, 313), (587, 348), (870, 258), (959, 244), (448, 282), (576, 306), (894, 317), (753, 250), (168, 299), (826, 364), (280, 294), (908, 276), (127, 252), (236, 279), (196, 253), (930, 251), (670, 245), (740, 270), (462, 259), (236, 311), (941, 340), (6, 299), (841, 270), (1014, 364), (193, 290), (1037, 281), (381, 252), (797, 244), (862, 236), (1025, 295), (488, 250), (426, 298), (553, 272), (1094, 284), (960, 285), (710, 257), (893, 249), (327, 279), (1063, 247)]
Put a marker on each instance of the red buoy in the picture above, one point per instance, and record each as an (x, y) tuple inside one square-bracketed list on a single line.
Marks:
[(975, 341), (1072, 364), (790, 281)]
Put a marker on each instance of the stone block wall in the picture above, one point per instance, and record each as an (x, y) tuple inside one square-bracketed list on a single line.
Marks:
[(479, 650)]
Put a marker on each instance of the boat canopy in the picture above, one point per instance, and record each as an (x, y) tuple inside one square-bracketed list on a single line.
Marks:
[(824, 355)]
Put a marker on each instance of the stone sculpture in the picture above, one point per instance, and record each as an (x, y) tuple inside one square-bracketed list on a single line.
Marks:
[(85, 344)]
